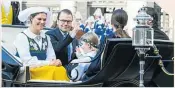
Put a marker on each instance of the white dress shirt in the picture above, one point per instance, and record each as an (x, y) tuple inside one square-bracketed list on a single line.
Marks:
[(22, 45)]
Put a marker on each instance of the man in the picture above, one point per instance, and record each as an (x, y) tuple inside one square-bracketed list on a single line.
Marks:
[(63, 36), (159, 76), (158, 34)]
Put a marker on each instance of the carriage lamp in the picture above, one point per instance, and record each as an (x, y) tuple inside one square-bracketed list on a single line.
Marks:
[(142, 39), (143, 34)]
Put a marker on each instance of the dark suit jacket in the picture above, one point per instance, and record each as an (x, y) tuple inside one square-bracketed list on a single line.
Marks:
[(159, 77), (158, 34), (60, 45)]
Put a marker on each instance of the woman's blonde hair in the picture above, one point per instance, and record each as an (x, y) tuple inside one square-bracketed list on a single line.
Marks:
[(91, 38)]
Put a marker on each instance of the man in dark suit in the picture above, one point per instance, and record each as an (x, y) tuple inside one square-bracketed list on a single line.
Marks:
[(63, 36), (159, 77), (158, 34)]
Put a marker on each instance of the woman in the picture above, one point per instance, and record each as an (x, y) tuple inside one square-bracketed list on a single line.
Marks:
[(35, 49), (158, 34), (119, 20)]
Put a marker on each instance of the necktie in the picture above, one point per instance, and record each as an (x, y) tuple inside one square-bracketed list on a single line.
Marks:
[(64, 35)]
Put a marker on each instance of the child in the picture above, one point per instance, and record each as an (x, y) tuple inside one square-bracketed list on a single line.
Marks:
[(85, 52)]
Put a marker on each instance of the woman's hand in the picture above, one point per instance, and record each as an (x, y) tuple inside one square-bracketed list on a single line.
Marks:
[(58, 62), (55, 62)]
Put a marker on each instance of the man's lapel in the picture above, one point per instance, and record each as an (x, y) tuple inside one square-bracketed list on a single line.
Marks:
[(58, 34), (74, 44)]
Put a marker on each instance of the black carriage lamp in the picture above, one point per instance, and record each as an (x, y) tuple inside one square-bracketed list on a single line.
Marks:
[(142, 39)]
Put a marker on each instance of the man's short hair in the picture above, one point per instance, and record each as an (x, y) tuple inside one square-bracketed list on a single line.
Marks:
[(67, 11)]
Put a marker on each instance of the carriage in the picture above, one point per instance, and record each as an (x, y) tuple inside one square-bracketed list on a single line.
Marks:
[(119, 65)]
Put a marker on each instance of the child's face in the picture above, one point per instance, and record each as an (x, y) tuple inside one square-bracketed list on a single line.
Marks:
[(85, 47)]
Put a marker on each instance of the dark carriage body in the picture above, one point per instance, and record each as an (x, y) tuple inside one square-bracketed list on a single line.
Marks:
[(119, 67)]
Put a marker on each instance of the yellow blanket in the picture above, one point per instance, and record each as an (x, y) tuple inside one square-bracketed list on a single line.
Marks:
[(49, 73)]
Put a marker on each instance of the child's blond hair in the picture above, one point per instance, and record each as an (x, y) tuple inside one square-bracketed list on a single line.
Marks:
[(91, 38)]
